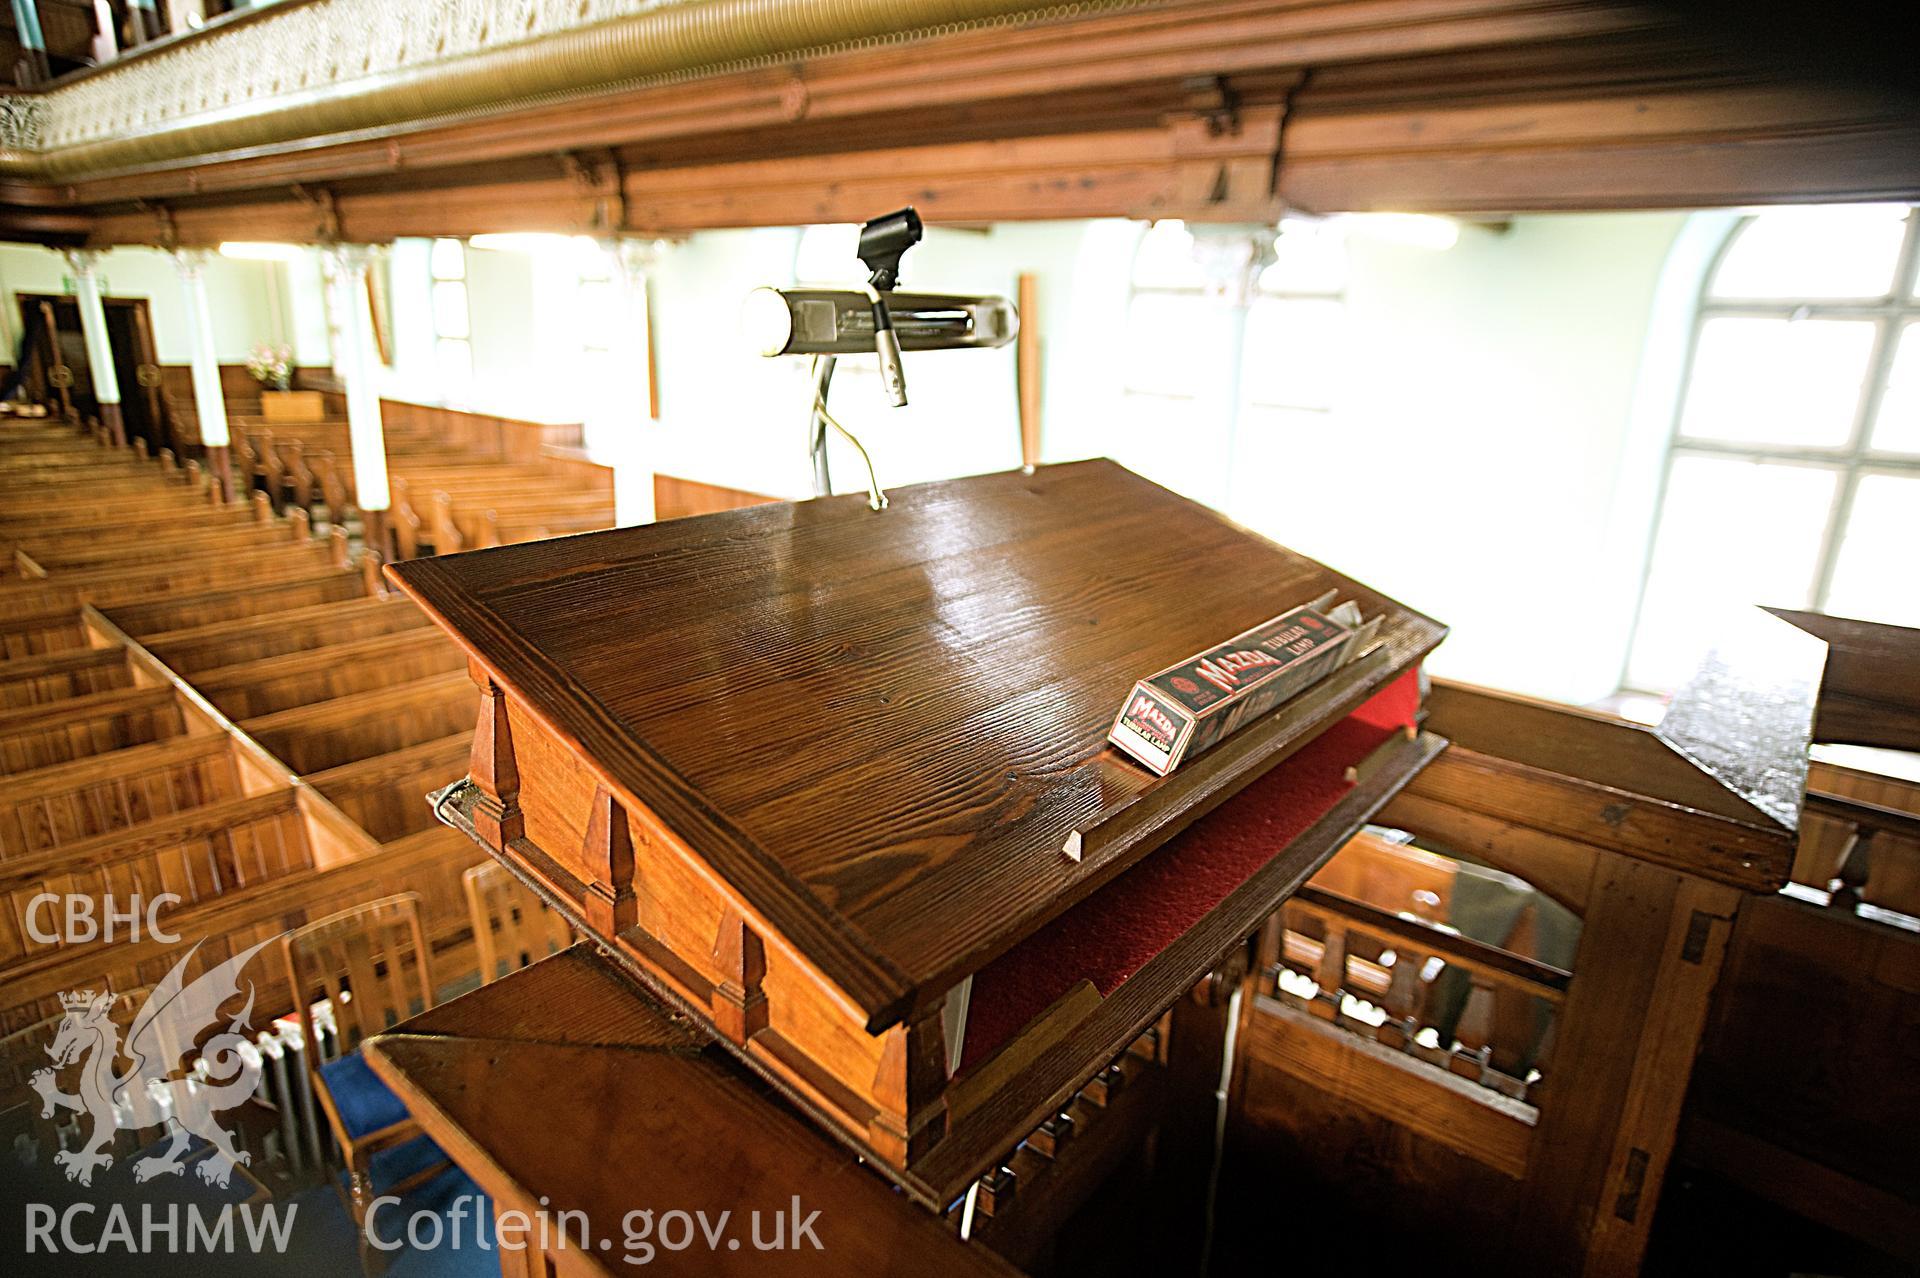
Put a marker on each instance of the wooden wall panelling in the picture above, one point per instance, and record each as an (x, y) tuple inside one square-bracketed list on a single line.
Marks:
[(1808, 1079)]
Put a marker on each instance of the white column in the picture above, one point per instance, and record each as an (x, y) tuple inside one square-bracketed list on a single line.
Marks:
[(626, 416), (354, 361), (187, 15), (208, 400), (106, 41), (93, 326)]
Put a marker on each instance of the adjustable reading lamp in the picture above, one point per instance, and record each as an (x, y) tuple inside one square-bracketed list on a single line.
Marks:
[(829, 323)]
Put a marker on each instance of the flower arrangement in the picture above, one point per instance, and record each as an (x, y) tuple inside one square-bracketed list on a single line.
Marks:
[(271, 365)]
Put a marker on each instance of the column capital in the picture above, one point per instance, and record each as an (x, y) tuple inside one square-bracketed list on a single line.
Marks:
[(190, 262), (1231, 256), (83, 261), (635, 258), (343, 260)]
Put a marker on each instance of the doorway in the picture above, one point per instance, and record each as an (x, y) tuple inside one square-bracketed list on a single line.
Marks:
[(129, 337)]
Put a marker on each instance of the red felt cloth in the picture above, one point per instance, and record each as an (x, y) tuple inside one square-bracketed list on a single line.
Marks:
[(1116, 931)]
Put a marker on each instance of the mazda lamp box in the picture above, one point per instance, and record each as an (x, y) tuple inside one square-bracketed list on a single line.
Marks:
[(1188, 707)]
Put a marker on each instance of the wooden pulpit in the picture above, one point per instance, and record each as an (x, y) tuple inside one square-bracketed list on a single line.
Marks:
[(811, 774)]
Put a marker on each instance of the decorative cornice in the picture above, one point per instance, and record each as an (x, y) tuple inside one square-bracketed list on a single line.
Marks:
[(20, 117), (335, 67)]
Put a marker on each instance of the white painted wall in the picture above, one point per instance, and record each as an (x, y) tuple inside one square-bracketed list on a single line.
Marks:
[(1483, 462), (1492, 457), (249, 300)]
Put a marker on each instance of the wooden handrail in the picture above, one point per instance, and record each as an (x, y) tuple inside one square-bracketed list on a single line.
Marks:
[(1499, 965), (1868, 816)]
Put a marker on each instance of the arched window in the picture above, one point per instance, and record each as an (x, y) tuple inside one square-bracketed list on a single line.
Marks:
[(1793, 478), (1234, 339)]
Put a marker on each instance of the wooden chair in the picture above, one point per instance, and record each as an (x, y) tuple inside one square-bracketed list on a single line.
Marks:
[(371, 964), (511, 926)]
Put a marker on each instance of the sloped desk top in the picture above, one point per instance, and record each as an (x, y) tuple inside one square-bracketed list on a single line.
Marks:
[(879, 728)]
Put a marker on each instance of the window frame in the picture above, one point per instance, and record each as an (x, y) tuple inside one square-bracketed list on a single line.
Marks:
[(464, 280), (1891, 313), (1242, 308)]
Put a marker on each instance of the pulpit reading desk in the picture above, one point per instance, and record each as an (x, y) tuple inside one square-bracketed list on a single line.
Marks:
[(808, 771)]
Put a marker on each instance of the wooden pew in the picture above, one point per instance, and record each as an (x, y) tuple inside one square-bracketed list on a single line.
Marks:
[(178, 612), (67, 802), (385, 794), (27, 634), (197, 854), (28, 681), (63, 528), (429, 863), (326, 734), (250, 689), (34, 737), (256, 638), (491, 529), (100, 511), (56, 555), (118, 583)]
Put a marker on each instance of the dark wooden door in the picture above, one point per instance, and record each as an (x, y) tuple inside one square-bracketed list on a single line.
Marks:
[(130, 335)]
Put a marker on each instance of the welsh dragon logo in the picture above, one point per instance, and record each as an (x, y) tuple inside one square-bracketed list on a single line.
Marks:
[(149, 1093)]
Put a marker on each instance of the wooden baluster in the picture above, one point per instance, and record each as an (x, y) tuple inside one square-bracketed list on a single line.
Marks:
[(299, 525), (338, 549), (140, 447), (489, 530), (262, 507), (168, 461), (1331, 975)]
